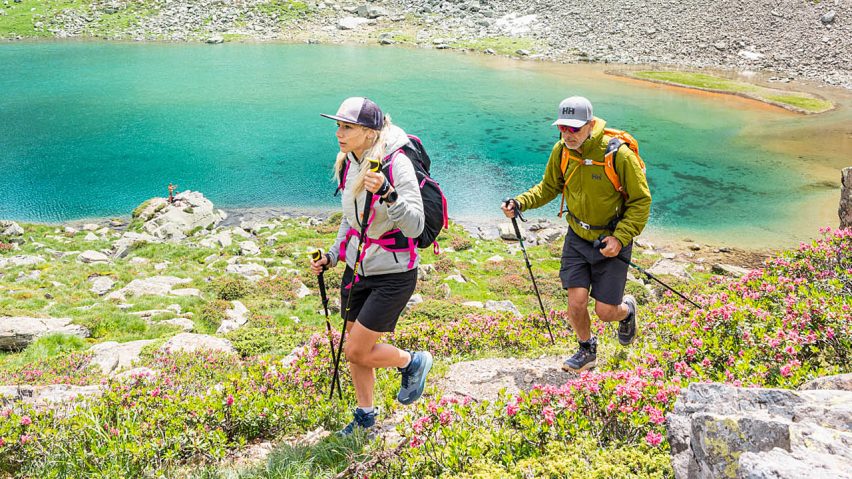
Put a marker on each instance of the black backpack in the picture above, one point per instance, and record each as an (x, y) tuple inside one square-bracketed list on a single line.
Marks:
[(434, 201)]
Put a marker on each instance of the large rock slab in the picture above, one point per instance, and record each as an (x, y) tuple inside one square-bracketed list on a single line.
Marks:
[(716, 430), (841, 382), (41, 396), (10, 228), (173, 222), (155, 285), (189, 342), (112, 357), (20, 260), (484, 378), (16, 333)]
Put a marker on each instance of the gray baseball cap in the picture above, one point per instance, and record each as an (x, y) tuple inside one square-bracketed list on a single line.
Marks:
[(360, 111), (574, 111)]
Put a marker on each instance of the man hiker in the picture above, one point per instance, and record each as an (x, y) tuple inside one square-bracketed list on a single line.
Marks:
[(611, 203)]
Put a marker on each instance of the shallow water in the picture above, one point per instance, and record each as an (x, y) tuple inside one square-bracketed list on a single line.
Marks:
[(93, 129)]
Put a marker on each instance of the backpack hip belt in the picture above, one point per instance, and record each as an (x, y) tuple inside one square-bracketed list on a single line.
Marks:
[(586, 226)]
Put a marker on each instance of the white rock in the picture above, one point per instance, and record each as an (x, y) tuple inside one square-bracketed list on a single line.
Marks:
[(20, 260), (183, 323), (495, 259), (18, 332), (91, 257), (91, 237), (351, 23), (249, 248), (189, 342), (112, 357), (252, 272), (508, 306), (155, 285), (303, 291), (458, 278), (101, 285)]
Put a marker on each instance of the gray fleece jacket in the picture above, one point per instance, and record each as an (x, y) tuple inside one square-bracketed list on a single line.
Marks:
[(406, 214)]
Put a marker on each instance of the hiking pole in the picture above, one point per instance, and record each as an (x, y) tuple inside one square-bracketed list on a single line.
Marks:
[(598, 244), (517, 211), (368, 203), (317, 255)]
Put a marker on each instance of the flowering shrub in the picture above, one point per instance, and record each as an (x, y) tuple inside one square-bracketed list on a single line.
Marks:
[(197, 407), (612, 408), (775, 327), (71, 368)]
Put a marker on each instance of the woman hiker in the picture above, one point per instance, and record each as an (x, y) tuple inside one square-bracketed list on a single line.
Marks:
[(387, 271)]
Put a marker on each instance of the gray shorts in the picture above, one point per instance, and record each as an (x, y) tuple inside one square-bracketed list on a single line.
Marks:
[(585, 267)]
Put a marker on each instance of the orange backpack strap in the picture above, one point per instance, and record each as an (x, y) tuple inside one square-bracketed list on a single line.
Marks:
[(566, 160), (609, 165)]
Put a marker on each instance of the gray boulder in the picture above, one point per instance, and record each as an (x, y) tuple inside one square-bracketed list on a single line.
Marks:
[(845, 210), (20, 260), (670, 267), (18, 332), (101, 285), (173, 222), (92, 257), (155, 285), (189, 342), (841, 382), (10, 228), (235, 318), (112, 357), (729, 270), (502, 306), (716, 430), (251, 271), (351, 23), (42, 396)]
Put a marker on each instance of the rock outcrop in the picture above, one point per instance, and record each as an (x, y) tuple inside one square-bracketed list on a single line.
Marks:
[(845, 210), (18, 332), (718, 431), (189, 212)]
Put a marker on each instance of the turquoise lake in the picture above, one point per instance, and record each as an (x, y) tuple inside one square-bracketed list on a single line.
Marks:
[(93, 129)]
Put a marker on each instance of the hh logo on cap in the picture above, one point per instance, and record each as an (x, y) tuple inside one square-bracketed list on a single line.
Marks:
[(568, 110)]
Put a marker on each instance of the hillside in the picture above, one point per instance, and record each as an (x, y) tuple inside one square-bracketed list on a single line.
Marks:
[(139, 353), (790, 39)]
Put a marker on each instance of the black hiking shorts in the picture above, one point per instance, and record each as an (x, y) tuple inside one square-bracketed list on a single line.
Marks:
[(583, 266), (378, 300)]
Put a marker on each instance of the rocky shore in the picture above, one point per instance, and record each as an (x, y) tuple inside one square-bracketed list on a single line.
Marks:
[(788, 39)]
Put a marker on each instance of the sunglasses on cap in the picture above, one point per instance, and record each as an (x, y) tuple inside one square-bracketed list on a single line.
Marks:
[(571, 129)]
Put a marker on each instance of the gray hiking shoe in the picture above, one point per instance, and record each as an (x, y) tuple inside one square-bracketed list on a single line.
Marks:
[(585, 357), (414, 377), (627, 326), (361, 420)]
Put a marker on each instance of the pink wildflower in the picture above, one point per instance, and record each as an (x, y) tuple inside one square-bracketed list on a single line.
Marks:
[(229, 400), (653, 438), (26, 421)]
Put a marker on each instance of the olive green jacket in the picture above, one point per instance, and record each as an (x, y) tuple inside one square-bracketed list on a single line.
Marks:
[(590, 196)]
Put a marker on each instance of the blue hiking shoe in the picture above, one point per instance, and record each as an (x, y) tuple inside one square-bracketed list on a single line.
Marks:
[(361, 420), (414, 377)]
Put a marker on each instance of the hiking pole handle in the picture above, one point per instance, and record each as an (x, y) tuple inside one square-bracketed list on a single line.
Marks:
[(516, 207), (316, 256)]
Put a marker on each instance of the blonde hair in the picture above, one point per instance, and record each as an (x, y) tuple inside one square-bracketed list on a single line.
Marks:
[(376, 151)]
